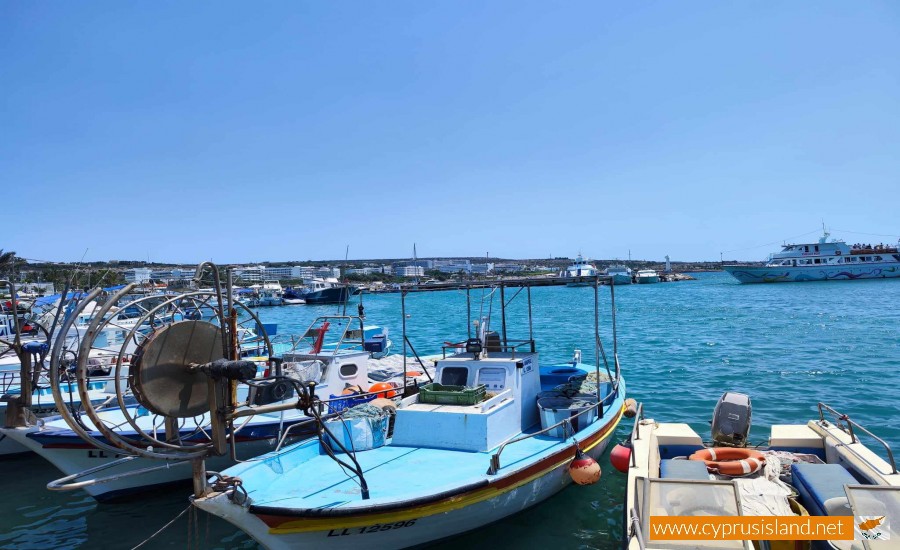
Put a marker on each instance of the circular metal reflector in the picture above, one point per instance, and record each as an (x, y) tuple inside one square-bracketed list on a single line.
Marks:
[(160, 377)]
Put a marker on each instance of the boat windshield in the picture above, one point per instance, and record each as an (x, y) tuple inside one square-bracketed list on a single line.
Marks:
[(878, 505), (668, 497)]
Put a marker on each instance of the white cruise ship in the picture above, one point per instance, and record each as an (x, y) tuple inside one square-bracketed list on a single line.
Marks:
[(823, 261)]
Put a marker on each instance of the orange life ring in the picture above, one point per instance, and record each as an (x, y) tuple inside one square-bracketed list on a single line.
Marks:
[(731, 461)]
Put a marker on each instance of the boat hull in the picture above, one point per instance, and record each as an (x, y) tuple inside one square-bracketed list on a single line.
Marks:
[(72, 455), (337, 295), (647, 280), (417, 526), (746, 274), (621, 279)]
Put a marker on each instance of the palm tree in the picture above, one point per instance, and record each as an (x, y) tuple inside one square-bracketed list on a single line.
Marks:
[(7, 260)]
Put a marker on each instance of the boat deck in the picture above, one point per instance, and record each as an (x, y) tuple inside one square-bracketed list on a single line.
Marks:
[(302, 479)]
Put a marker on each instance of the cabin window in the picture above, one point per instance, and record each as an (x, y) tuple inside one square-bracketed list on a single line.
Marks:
[(863, 259), (806, 249), (817, 261), (817, 248), (455, 376), (877, 258), (348, 370)]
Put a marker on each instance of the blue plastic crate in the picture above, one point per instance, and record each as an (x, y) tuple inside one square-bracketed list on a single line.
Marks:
[(346, 402)]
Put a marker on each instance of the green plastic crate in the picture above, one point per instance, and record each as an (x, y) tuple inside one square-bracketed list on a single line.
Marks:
[(451, 395)]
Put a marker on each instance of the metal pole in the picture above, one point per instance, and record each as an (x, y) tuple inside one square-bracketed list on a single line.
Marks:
[(232, 315), (469, 311), (530, 326), (403, 316), (597, 333), (612, 299), (503, 315), (198, 466)]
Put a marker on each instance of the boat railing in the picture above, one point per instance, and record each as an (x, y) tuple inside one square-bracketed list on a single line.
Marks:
[(849, 426), (565, 423), (69, 483), (634, 521), (636, 431), (510, 346), (343, 342), (8, 380)]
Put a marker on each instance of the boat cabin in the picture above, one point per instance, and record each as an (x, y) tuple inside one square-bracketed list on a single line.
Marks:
[(512, 382)]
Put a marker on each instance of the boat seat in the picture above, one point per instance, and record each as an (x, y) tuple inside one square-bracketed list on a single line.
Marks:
[(683, 469), (819, 483)]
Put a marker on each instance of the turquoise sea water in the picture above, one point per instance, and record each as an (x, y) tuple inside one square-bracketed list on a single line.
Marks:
[(681, 345)]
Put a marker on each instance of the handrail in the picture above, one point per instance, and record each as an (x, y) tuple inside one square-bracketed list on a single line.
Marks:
[(636, 432), (62, 484), (636, 528), (853, 439), (495, 458), (504, 348)]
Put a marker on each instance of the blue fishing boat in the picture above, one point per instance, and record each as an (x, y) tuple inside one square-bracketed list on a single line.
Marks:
[(496, 432), (824, 260)]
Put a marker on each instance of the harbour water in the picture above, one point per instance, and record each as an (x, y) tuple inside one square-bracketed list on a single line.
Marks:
[(680, 346)]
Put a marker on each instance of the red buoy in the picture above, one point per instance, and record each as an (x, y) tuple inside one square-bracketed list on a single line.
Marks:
[(620, 457), (584, 469), (378, 386)]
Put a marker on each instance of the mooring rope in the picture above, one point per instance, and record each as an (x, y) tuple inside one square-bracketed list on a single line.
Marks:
[(163, 528)]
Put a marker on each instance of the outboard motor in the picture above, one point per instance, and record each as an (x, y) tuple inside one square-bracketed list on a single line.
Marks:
[(731, 420)]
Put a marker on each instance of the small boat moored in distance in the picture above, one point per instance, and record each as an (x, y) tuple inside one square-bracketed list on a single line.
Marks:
[(270, 294), (292, 296), (646, 276), (619, 274), (581, 268), (327, 291), (823, 261)]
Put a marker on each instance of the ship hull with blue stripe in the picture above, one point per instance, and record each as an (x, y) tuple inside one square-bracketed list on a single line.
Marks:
[(768, 274)]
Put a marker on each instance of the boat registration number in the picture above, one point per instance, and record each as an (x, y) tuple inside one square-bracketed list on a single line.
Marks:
[(369, 529)]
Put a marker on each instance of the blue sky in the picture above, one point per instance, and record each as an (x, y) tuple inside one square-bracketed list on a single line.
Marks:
[(242, 132)]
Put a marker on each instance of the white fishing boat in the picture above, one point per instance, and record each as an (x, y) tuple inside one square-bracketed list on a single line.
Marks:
[(99, 391), (582, 271), (495, 434), (294, 296), (820, 468), (270, 294), (646, 276), (824, 260), (90, 446), (619, 274)]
